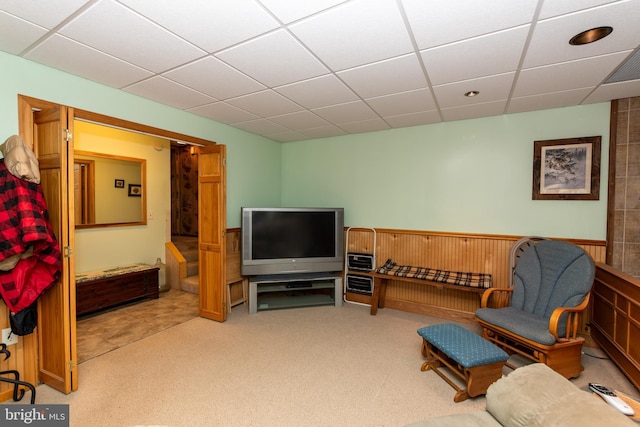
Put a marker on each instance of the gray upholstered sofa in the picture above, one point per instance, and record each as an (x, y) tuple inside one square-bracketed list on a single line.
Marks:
[(535, 395)]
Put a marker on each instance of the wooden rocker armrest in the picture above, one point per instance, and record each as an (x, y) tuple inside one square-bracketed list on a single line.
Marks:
[(571, 322), (501, 299)]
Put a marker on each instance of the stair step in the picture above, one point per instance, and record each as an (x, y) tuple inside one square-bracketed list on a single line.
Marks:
[(190, 284), (190, 254), (192, 268)]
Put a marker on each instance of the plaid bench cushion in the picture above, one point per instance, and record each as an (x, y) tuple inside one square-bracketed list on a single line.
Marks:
[(472, 280)]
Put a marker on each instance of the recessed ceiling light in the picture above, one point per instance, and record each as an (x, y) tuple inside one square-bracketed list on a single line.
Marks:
[(472, 93), (590, 36)]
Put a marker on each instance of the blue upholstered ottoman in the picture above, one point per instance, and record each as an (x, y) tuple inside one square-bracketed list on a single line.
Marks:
[(475, 360)]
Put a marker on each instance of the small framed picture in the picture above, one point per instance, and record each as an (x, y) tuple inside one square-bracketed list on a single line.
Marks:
[(119, 183), (567, 169), (135, 190)]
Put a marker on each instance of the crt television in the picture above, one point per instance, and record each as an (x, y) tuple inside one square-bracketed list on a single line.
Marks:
[(292, 240)]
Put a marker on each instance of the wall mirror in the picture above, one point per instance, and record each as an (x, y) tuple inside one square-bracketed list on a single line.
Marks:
[(109, 190)]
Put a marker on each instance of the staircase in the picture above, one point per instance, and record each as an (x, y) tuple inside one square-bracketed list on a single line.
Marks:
[(188, 247)]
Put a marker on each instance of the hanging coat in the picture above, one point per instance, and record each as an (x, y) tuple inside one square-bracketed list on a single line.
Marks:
[(24, 230)]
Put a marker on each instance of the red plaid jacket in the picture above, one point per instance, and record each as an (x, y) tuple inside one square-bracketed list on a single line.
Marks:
[(24, 223)]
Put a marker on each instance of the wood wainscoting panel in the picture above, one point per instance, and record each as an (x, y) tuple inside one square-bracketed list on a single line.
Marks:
[(474, 253)]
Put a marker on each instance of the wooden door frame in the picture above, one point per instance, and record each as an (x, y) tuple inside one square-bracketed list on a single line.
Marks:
[(26, 107)]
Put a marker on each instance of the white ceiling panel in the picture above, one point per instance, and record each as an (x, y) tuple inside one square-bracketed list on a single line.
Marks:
[(16, 34), (548, 100), (210, 24), (324, 132), (262, 127), (439, 23), (568, 75), (623, 17), (374, 125), (466, 112), (318, 92), (274, 59), (386, 77), (168, 92), (47, 14), (215, 78), (111, 27), (611, 91), (299, 120), (403, 103), (339, 35), (266, 103), (414, 119), (67, 55), (223, 112), (345, 113), (311, 69), (495, 53), (491, 89), (288, 11)]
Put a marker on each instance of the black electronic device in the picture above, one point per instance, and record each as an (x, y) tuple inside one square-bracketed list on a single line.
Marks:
[(359, 284), (360, 261)]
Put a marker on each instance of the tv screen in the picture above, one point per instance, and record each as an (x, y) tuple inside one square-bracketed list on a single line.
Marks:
[(292, 240)]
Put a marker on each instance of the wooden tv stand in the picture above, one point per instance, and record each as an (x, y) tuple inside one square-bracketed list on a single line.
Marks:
[(108, 288)]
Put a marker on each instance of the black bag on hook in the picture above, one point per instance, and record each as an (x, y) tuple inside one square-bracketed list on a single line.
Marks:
[(25, 321)]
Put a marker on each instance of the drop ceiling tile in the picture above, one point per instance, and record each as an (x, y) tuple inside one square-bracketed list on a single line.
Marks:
[(67, 55), (215, 78), (170, 93), (17, 34), (403, 103), (261, 127), (568, 75), (414, 119), (339, 36), (442, 22), (611, 91), (324, 132), (318, 92), (373, 125), (264, 104), (386, 77), (345, 113), (548, 100), (556, 32), (465, 112), (274, 59), (554, 8), (495, 53), (289, 136), (223, 113), (44, 13), (288, 11), (299, 120), (113, 28), (210, 24), (493, 88)]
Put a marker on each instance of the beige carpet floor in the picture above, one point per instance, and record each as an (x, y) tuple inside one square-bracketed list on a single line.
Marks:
[(320, 366)]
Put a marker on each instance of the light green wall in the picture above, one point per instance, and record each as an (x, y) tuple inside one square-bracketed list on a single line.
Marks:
[(469, 176)]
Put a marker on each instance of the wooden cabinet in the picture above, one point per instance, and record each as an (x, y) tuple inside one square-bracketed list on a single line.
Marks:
[(93, 294), (615, 319)]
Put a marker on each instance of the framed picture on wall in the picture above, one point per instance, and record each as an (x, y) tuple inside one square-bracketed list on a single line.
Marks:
[(119, 183), (567, 169), (135, 190)]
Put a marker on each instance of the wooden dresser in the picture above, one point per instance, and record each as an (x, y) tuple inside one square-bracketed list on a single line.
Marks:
[(98, 290), (615, 319)]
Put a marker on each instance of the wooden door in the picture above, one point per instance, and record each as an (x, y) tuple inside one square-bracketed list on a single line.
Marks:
[(212, 225), (48, 128)]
